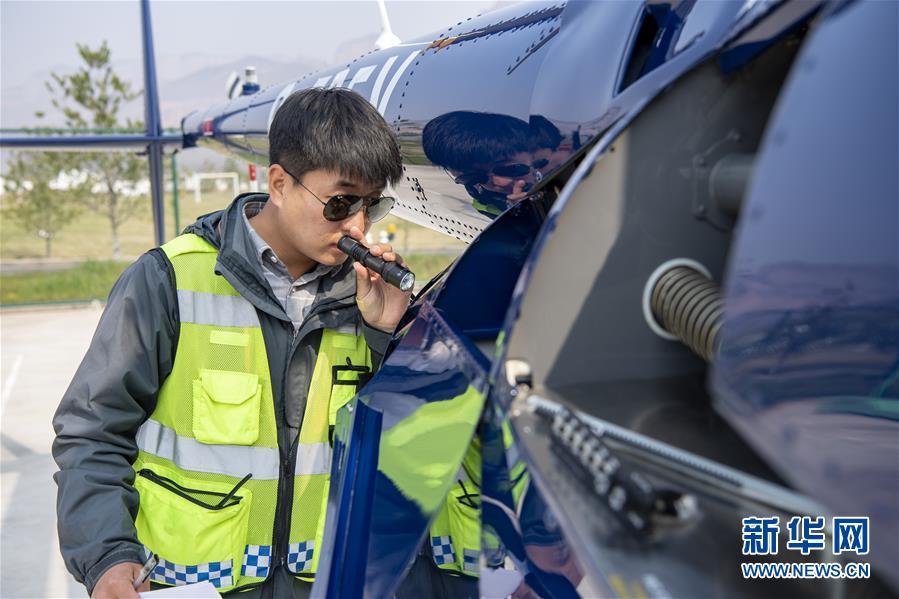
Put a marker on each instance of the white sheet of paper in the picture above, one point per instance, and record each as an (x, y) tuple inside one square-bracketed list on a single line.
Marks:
[(200, 590)]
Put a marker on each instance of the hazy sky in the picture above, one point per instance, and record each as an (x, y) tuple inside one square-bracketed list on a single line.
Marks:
[(37, 37)]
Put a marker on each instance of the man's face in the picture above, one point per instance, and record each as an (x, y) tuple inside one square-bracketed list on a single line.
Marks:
[(549, 159), (301, 221), (504, 177)]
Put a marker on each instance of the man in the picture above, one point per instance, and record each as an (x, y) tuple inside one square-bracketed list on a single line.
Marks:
[(497, 157), (198, 425), (470, 145)]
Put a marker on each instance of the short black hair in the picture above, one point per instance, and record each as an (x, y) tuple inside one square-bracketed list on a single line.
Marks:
[(335, 130), (543, 133), (462, 139)]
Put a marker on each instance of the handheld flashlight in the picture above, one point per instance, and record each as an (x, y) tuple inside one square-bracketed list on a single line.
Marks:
[(391, 272)]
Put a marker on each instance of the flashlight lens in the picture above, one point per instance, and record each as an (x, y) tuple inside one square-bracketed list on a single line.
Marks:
[(407, 282)]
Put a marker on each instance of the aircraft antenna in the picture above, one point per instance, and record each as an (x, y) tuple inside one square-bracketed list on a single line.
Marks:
[(387, 39)]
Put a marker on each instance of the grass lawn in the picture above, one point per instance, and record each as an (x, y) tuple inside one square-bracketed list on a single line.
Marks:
[(88, 281), (87, 239), (92, 280), (88, 236)]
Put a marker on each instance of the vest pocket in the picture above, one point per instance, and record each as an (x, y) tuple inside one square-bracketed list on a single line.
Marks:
[(198, 528), (226, 407)]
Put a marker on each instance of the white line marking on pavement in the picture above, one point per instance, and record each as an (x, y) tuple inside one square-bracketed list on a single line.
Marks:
[(9, 382)]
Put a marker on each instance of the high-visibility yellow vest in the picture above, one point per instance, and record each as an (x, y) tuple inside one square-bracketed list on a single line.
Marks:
[(209, 465)]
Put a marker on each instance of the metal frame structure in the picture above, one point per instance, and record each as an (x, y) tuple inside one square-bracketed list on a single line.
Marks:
[(198, 178), (153, 141)]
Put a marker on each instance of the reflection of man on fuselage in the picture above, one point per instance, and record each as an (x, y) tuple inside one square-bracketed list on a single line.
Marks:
[(497, 157)]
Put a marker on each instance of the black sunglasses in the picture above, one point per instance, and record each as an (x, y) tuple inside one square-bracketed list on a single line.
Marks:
[(505, 170), (466, 178), (519, 170), (342, 206)]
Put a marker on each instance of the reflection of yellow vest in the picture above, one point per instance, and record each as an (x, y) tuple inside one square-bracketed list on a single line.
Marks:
[(486, 209), (456, 531), (421, 456), (209, 465), (458, 523)]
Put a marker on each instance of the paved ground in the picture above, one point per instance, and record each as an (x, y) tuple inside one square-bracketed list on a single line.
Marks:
[(16, 266), (39, 352)]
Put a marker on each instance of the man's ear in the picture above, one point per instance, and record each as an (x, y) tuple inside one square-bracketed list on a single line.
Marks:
[(278, 180)]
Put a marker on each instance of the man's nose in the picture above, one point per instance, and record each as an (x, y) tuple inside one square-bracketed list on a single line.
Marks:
[(356, 220)]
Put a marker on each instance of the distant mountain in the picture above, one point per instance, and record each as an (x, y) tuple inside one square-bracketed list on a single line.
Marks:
[(206, 86), (186, 83), (354, 48)]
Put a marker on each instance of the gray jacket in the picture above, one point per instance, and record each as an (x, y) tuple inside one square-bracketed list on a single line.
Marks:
[(114, 389)]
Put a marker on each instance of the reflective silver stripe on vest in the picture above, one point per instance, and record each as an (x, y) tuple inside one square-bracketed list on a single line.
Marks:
[(230, 460), (198, 307), (471, 560), (313, 458), (513, 456)]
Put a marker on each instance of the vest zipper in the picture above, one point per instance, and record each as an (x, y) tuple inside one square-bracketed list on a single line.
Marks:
[(284, 504), (279, 555), (281, 527)]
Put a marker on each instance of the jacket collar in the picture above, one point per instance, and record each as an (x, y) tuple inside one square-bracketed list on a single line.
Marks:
[(238, 264)]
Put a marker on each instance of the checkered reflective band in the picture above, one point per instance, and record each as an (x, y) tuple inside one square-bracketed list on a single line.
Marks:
[(257, 560), (299, 556), (470, 560), (220, 574), (442, 549)]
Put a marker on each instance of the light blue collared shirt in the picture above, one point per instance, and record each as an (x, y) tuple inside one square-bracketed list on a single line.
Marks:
[(296, 296)]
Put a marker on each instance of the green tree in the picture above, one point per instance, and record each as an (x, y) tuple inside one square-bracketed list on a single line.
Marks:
[(242, 168), (231, 166), (33, 202), (92, 97)]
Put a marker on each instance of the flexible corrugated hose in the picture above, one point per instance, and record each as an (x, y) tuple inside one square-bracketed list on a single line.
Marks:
[(689, 305)]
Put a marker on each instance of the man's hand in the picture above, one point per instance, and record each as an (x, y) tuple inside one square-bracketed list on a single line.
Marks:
[(116, 583), (381, 304), (518, 192)]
